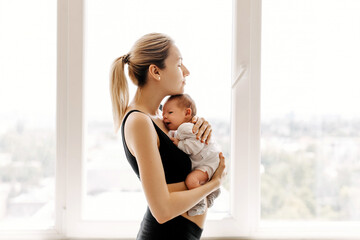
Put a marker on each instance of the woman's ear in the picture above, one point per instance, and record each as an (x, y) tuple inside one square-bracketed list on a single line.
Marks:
[(154, 72)]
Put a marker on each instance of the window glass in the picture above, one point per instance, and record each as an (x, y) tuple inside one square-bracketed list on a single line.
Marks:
[(27, 113), (202, 31), (310, 120)]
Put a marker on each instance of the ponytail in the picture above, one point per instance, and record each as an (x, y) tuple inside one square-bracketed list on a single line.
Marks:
[(119, 90), (152, 48)]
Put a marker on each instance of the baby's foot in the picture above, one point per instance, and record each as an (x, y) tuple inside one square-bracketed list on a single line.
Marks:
[(211, 197), (198, 209)]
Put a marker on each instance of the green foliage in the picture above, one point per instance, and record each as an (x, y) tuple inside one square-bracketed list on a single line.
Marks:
[(286, 186), (311, 170)]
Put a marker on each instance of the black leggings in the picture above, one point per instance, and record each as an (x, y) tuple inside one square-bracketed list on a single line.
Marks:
[(178, 228)]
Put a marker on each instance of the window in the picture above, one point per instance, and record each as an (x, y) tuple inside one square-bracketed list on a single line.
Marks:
[(288, 61), (310, 123), (87, 126), (27, 114), (112, 185), (279, 120), (113, 191)]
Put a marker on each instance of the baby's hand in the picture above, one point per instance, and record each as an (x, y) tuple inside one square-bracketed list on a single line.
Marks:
[(175, 140)]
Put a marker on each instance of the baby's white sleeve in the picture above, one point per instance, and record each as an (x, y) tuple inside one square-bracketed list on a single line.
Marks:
[(187, 139), (191, 146)]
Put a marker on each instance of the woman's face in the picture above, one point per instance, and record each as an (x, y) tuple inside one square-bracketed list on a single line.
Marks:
[(173, 76)]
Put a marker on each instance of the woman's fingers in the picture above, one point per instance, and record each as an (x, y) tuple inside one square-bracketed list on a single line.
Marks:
[(220, 171), (222, 160), (208, 135), (197, 123), (222, 164), (203, 129)]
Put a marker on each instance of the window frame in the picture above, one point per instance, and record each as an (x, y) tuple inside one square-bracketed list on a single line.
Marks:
[(266, 229), (72, 136), (244, 220)]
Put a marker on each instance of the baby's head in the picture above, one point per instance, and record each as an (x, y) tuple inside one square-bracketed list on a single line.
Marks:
[(177, 110)]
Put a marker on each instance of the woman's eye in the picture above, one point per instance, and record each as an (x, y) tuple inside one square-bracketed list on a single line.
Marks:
[(170, 112)]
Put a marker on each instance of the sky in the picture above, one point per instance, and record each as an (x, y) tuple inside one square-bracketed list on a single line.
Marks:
[(310, 58), (27, 62)]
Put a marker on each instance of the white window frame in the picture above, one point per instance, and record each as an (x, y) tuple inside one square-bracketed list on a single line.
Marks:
[(71, 133), (72, 120), (260, 229), (238, 224), (244, 220)]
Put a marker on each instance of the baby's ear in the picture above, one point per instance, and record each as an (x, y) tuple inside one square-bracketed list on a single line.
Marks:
[(188, 112)]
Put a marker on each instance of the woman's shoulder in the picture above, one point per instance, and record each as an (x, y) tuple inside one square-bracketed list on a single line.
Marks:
[(139, 128), (135, 119)]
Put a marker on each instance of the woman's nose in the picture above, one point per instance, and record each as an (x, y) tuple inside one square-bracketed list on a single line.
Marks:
[(185, 71)]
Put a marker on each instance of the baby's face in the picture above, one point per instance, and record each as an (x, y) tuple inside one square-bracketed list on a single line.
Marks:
[(173, 115)]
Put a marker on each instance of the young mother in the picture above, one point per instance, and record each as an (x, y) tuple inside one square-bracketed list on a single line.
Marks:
[(155, 66)]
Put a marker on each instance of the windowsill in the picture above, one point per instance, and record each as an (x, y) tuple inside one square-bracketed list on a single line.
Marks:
[(308, 230), (31, 235), (268, 231)]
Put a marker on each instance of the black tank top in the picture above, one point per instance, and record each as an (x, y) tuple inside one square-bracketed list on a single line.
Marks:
[(176, 163)]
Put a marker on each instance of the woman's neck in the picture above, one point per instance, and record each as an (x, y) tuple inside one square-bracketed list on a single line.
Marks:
[(147, 101)]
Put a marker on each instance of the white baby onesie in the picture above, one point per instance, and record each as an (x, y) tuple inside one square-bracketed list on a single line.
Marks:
[(203, 157)]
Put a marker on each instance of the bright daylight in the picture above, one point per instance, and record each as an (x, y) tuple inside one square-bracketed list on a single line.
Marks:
[(308, 147)]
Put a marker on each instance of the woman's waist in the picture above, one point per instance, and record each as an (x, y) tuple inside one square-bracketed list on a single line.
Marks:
[(199, 220)]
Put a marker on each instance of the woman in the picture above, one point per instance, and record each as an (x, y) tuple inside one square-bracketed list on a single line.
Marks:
[(155, 66)]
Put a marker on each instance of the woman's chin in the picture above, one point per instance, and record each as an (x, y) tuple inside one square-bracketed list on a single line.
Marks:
[(181, 91)]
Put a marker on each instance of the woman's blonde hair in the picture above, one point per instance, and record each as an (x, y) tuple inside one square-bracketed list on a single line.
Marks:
[(150, 49)]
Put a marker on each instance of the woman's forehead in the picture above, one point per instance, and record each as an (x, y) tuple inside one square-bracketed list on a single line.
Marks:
[(174, 53)]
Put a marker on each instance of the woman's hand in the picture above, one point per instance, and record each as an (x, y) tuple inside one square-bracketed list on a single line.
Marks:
[(220, 172), (203, 129)]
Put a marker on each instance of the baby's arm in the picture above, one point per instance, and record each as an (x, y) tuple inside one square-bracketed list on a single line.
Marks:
[(190, 146), (187, 141)]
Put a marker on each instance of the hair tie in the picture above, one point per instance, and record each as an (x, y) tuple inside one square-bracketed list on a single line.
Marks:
[(126, 58)]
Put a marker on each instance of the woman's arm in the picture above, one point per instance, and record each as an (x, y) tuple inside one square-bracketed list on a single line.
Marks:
[(142, 141)]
